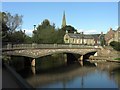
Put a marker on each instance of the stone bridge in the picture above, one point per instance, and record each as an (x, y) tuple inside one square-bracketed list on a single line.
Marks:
[(40, 50)]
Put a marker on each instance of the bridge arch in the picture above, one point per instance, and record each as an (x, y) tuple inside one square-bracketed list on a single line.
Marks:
[(87, 55), (64, 52), (70, 57)]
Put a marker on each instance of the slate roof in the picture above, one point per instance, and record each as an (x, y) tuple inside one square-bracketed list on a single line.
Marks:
[(118, 29), (72, 35), (86, 36)]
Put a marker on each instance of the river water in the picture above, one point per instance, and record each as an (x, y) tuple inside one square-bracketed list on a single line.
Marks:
[(88, 75)]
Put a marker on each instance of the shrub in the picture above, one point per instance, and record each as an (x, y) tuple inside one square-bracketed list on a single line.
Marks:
[(115, 45), (117, 59)]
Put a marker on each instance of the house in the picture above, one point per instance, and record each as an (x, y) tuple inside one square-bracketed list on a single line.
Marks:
[(109, 36), (112, 35), (75, 38), (117, 35), (96, 38)]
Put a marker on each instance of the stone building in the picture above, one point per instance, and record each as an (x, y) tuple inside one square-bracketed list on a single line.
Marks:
[(71, 37), (117, 35), (74, 38), (63, 20), (112, 35), (109, 36)]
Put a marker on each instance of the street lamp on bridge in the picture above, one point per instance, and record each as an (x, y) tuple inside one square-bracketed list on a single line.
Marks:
[(82, 38), (34, 27)]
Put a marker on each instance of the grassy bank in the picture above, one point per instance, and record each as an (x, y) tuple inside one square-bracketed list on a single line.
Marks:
[(117, 59)]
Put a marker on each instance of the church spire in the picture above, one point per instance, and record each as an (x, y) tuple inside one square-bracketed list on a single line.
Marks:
[(63, 20)]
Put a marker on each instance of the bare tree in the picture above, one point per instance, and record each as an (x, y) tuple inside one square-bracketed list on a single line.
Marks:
[(8, 24), (13, 22)]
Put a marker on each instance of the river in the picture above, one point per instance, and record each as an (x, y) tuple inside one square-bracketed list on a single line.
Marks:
[(88, 75)]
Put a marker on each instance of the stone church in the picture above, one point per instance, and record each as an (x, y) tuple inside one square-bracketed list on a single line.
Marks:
[(79, 38)]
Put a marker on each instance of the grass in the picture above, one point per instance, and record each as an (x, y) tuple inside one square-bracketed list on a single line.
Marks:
[(117, 59)]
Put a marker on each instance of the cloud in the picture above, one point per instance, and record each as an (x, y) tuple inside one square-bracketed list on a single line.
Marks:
[(116, 27), (89, 31), (28, 32)]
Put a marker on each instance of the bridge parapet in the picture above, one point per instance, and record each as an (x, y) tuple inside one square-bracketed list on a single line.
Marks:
[(46, 46), (39, 50)]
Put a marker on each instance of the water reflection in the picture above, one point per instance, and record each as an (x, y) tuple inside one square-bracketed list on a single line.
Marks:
[(115, 75), (33, 70), (76, 75), (61, 76)]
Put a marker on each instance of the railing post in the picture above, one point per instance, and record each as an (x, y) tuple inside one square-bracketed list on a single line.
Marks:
[(33, 45), (70, 45), (9, 46), (55, 45)]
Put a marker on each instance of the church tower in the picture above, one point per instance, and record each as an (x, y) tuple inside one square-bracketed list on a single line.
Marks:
[(63, 20)]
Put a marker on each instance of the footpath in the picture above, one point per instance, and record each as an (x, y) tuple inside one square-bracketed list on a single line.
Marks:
[(8, 81)]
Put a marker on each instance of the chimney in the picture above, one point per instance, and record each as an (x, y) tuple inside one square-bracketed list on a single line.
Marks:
[(110, 28), (75, 32), (101, 33), (24, 31)]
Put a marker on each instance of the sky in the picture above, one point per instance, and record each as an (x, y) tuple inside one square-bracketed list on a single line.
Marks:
[(60, 0), (89, 17)]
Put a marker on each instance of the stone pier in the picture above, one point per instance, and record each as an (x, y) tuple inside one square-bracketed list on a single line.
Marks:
[(81, 58), (65, 57), (33, 63)]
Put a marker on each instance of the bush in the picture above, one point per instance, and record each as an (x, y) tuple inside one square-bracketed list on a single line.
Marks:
[(115, 45), (117, 59)]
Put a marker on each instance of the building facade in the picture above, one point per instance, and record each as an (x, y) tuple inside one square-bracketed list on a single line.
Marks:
[(73, 38), (117, 35), (112, 35), (109, 36)]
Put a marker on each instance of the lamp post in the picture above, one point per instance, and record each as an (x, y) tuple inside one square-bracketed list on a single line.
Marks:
[(34, 27), (82, 39)]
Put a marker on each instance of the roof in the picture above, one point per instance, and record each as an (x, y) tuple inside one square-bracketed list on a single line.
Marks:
[(95, 36), (85, 36), (118, 29)]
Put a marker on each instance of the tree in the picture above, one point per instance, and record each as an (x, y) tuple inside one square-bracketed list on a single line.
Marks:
[(102, 40), (46, 33), (115, 45), (60, 36), (9, 25), (13, 22), (17, 37), (28, 39), (45, 23), (43, 33), (69, 28), (3, 25)]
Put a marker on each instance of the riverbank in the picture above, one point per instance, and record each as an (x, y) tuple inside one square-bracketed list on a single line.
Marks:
[(106, 54), (8, 80), (118, 61), (103, 58), (11, 79)]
